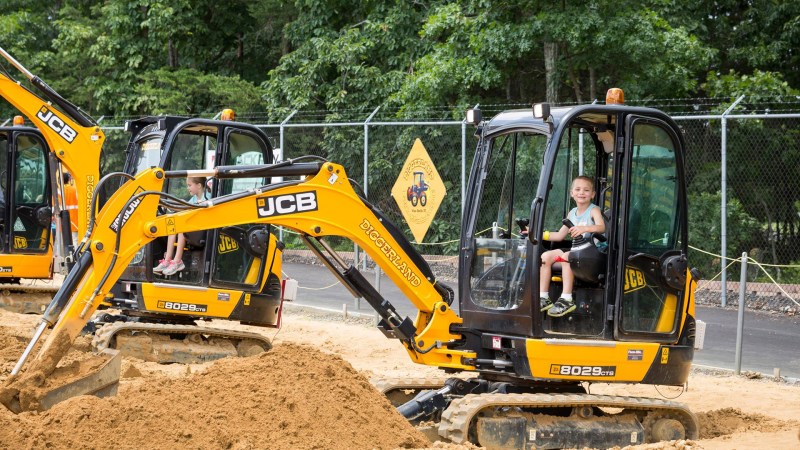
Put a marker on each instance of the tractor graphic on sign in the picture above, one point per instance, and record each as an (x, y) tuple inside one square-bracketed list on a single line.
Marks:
[(416, 193)]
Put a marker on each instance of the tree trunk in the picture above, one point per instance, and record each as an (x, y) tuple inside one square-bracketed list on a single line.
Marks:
[(592, 85), (173, 55), (771, 238), (573, 77), (551, 83)]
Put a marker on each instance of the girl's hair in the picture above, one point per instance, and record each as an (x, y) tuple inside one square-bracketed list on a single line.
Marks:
[(200, 181), (197, 180)]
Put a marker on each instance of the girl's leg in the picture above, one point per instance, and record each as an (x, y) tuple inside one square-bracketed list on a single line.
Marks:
[(170, 247), (181, 244)]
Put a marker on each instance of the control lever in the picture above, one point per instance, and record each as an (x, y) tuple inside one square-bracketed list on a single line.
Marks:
[(522, 224), (568, 223)]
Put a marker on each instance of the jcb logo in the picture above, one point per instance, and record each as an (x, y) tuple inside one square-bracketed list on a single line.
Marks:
[(20, 242), (634, 280), (226, 244), (57, 124), (287, 204)]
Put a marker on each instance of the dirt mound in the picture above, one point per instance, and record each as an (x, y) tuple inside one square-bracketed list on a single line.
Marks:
[(291, 397), (722, 422)]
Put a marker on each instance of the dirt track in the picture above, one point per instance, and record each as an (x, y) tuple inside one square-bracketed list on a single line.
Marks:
[(312, 391)]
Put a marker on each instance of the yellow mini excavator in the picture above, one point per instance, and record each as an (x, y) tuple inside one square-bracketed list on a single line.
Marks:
[(634, 317), (231, 273)]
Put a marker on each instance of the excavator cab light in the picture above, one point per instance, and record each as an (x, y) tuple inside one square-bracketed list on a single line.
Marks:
[(228, 114), (541, 110), (615, 96), (474, 116), (19, 121)]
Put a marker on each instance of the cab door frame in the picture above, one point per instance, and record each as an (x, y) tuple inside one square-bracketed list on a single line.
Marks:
[(640, 266), (223, 157), (11, 199)]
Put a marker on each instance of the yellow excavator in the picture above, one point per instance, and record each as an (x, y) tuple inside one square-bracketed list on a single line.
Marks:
[(234, 272), (634, 292)]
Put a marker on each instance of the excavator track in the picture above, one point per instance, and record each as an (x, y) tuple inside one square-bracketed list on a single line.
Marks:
[(401, 390), (173, 343), (25, 298), (662, 419)]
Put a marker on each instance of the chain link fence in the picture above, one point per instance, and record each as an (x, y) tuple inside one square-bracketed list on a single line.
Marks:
[(743, 182)]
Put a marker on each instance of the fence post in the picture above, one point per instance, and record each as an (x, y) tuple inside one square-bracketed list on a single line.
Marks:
[(280, 158), (740, 321), (366, 186), (724, 201), (463, 162)]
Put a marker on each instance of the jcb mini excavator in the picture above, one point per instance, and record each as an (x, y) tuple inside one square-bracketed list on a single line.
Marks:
[(634, 321), (234, 273)]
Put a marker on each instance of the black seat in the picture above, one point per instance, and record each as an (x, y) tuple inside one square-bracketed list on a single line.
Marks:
[(587, 262), (195, 239)]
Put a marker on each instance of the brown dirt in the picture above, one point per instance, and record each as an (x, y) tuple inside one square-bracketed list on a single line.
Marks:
[(311, 391)]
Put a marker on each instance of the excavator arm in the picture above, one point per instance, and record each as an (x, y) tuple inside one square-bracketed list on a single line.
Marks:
[(321, 203), (73, 137)]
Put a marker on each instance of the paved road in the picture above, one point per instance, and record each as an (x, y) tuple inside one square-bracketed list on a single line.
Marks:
[(769, 341)]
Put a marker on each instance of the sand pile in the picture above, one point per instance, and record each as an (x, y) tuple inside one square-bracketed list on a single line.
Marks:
[(292, 397)]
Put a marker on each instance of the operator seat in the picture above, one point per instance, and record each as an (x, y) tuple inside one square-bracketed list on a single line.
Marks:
[(588, 263)]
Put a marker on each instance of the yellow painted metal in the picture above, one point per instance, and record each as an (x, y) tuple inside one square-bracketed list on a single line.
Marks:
[(161, 298), (666, 319), (575, 359), (27, 266), (78, 150)]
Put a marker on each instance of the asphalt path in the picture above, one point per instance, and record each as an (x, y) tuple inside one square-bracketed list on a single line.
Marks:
[(769, 341)]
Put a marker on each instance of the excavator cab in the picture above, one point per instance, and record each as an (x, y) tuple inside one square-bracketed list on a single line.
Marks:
[(630, 287), (26, 205), (231, 272)]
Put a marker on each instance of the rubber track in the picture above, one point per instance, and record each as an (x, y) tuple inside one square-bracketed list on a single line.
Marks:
[(106, 333), (384, 385), (457, 417), (22, 288)]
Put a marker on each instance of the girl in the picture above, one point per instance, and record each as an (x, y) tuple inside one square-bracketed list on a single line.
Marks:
[(169, 265)]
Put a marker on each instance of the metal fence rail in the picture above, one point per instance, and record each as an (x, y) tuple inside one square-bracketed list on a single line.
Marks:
[(743, 184)]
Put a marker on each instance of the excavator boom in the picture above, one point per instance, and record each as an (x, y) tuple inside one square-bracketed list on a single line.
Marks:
[(72, 136), (322, 203)]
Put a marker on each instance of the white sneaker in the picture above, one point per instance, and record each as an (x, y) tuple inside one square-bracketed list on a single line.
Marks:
[(174, 267), (162, 264)]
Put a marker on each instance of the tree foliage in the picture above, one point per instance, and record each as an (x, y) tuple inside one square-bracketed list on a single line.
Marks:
[(110, 56), (141, 57)]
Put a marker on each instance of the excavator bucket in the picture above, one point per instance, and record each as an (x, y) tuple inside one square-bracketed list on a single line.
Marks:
[(98, 375)]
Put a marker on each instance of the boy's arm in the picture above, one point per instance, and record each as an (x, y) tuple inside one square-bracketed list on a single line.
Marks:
[(556, 236), (600, 223), (600, 226)]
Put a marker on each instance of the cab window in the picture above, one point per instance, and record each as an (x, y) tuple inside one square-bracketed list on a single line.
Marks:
[(498, 272)]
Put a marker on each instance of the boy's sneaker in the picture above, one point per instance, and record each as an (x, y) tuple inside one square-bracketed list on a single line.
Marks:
[(163, 264), (545, 303), (561, 308), (174, 267)]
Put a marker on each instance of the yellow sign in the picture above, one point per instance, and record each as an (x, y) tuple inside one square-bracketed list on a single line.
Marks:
[(419, 190), (171, 226)]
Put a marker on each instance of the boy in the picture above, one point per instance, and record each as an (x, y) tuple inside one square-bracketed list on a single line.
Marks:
[(587, 218)]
